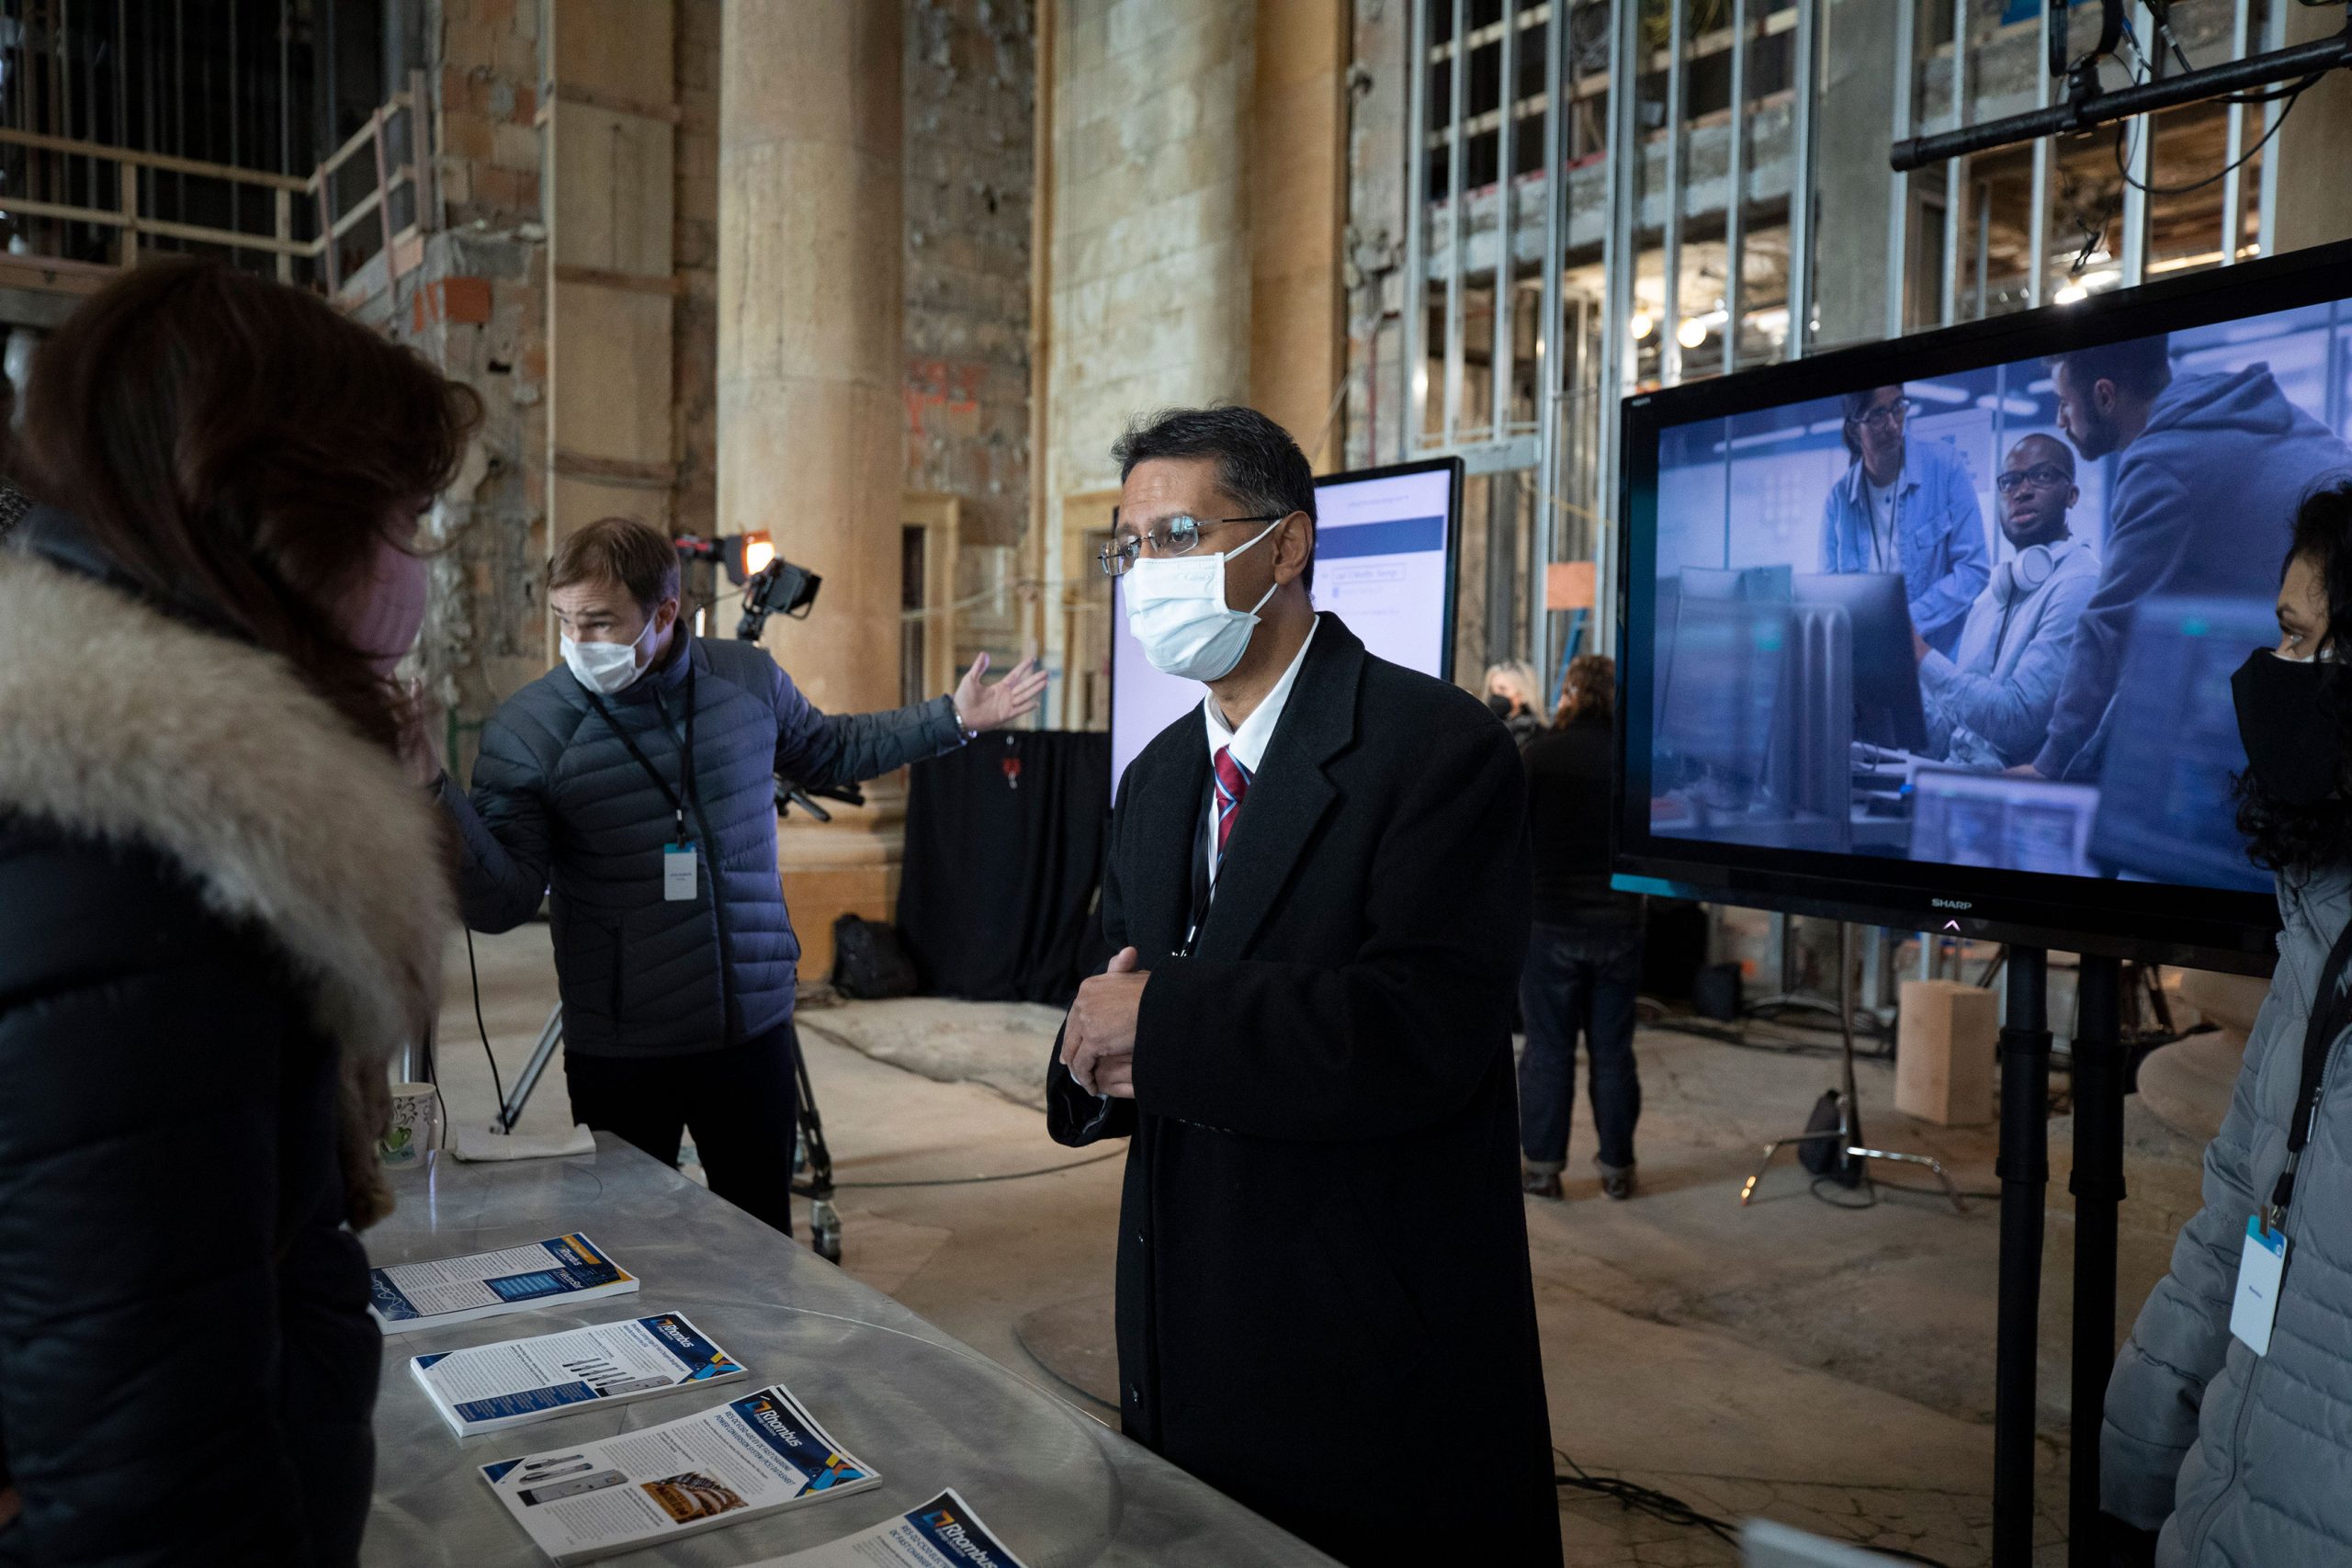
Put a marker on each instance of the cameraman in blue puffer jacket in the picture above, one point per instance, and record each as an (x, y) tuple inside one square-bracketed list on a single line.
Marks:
[(633, 787)]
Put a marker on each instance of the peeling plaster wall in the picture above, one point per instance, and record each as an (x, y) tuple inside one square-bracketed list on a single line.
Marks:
[(971, 78)]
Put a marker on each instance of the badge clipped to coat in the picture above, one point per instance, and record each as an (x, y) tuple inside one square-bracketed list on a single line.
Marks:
[(2260, 1270), (678, 872)]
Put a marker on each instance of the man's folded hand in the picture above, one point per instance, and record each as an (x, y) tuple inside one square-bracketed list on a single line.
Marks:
[(1099, 1041)]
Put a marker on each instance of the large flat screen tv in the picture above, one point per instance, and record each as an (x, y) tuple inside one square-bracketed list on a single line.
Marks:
[(1387, 545), (1937, 634)]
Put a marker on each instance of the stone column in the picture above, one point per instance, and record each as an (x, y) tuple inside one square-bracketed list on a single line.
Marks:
[(810, 443), (1854, 185)]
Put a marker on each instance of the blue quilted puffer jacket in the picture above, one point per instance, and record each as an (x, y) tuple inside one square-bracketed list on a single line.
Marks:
[(559, 807), (2243, 1459)]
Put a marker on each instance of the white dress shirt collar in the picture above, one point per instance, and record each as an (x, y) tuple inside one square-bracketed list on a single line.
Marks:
[(1257, 732), (1250, 741)]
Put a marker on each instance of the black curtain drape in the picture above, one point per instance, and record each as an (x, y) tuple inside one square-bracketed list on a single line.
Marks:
[(1004, 856)]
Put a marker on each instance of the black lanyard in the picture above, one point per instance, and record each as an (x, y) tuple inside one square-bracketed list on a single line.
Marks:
[(1204, 884), (679, 796), (2331, 1011)]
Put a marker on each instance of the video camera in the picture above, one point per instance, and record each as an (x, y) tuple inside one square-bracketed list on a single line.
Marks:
[(771, 585)]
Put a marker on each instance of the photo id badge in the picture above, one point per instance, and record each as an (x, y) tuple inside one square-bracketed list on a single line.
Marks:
[(678, 874), (2260, 1273)]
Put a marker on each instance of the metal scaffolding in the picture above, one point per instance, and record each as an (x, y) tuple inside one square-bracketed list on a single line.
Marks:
[(1688, 173)]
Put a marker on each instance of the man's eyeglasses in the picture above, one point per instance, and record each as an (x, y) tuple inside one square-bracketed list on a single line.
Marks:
[(2041, 476), (1175, 536), (1887, 416)]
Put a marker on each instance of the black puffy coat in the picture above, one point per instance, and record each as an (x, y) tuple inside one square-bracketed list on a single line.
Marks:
[(202, 969), (559, 807)]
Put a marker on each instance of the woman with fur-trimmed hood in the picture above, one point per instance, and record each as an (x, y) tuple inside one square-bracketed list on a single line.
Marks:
[(222, 908)]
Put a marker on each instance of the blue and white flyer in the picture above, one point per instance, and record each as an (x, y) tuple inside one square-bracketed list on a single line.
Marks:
[(564, 1271), (488, 1388), (745, 1458), (942, 1533)]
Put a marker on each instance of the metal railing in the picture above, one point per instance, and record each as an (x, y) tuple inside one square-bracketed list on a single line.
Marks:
[(398, 198)]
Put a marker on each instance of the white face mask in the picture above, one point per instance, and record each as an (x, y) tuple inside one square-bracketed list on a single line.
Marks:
[(604, 667), (1176, 608)]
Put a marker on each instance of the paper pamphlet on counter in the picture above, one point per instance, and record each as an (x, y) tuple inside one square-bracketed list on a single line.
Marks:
[(488, 1388), (942, 1533), (747, 1457), (566, 1270)]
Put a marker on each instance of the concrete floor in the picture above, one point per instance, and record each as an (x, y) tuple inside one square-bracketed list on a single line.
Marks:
[(1830, 1369)]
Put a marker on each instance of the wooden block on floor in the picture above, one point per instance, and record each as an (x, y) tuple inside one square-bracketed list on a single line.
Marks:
[(1944, 1052)]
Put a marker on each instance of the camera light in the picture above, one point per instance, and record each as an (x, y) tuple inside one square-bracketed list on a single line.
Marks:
[(758, 551)]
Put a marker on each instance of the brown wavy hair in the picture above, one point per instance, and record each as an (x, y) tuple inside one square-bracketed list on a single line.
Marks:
[(239, 448), (1588, 694)]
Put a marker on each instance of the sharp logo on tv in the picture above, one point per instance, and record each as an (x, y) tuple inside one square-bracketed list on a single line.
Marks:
[(1963, 609)]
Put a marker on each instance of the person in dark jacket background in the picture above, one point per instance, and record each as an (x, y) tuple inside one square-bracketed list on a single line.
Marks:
[(1584, 960), (204, 967), (633, 787)]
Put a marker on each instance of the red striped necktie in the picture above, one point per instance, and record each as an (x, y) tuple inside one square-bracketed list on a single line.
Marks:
[(1232, 787)]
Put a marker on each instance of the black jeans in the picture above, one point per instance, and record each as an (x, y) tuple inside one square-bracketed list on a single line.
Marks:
[(1580, 979), (742, 1103)]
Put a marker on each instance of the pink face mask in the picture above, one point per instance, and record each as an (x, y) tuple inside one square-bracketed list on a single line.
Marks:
[(383, 616)]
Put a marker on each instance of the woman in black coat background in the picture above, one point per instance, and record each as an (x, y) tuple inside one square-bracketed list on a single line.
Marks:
[(221, 908), (1584, 961)]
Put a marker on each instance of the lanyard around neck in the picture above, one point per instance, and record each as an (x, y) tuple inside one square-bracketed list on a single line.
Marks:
[(2330, 1013), (677, 798)]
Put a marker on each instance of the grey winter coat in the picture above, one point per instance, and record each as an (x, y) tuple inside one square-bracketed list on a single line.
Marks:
[(2241, 1458), (560, 807)]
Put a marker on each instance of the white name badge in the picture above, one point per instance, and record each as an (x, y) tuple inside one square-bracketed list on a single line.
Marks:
[(2260, 1270), (678, 874)]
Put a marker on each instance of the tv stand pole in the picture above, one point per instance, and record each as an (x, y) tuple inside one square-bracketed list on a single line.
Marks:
[(2098, 1187), (2024, 1170)]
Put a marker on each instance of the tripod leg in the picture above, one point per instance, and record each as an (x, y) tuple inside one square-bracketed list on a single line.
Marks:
[(1937, 1166), (551, 1036), (1774, 1148), (824, 1220)]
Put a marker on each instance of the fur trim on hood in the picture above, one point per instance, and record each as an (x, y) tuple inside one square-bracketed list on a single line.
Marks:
[(124, 724)]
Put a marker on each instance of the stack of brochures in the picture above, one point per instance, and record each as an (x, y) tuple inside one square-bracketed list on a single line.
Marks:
[(748, 1458), (942, 1533), (489, 1388), (561, 1272)]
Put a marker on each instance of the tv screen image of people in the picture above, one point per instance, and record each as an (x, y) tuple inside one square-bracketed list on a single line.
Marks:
[(1983, 615)]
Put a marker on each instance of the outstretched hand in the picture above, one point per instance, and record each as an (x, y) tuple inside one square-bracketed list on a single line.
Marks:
[(981, 706)]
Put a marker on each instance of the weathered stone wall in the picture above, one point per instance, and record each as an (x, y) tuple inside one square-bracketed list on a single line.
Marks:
[(971, 82), (478, 309)]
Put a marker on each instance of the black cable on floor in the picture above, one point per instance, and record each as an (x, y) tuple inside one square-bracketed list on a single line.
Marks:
[(977, 1180), (496, 1087), (1640, 1499), (1669, 1509)]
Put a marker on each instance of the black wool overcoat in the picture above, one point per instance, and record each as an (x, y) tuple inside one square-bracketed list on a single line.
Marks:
[(1324, 1302)]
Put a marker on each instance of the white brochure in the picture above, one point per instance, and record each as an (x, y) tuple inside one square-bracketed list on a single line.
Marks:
[(565, 1270), (747, 1457), (488, 1388), (942, 1533)]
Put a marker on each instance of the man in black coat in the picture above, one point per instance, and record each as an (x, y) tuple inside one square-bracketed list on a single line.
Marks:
[(1318, 887)]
